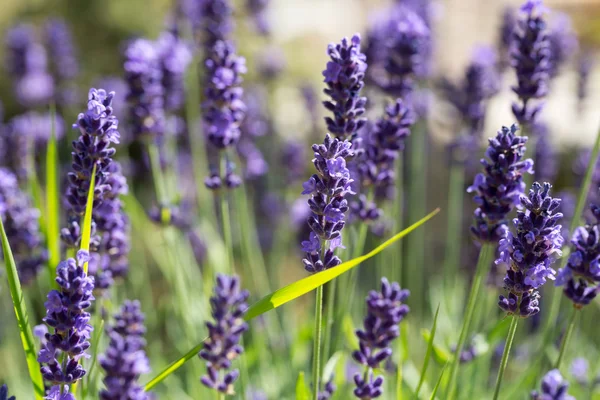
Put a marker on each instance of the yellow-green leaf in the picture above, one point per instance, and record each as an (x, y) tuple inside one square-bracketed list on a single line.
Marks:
[(302, 391), (22, 318), (87, 219), (428, 353), (52, 201)]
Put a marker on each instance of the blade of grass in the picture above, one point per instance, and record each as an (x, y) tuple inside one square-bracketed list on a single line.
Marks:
[(504, 362), (428, 353), (87, 219), (439, 381), (302, 391), (52, 196), (292, 292), (20, 308)]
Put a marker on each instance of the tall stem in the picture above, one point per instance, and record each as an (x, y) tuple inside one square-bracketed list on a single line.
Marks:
[(329, 318), (317, 342), (567, 337), (509, 340), (397, 220), (486, 255), (225, 218), (455, 216)]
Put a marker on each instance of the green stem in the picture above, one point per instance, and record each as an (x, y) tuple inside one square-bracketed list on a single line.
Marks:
[(52, 201), (455, 215), (225, 218), (317, 342), (330, 318), (509, 340), (486, 255), (567, 337), (157, 175), (398, 215)]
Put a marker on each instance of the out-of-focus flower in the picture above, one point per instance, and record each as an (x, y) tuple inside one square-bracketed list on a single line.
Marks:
[(580, 368), (215, 21), (174, 56), (585, 65), (554, 387), (125, 359), (21, 223), (222, 346), (271, 62), (530, 53), (385, 311), (546, 157), (63, 61), (328, 189), (258, 10), (66, 314), (498, 189), (4, 393), (344, 77), (328, 390), (563, 43), (507, 28), (529, 253)]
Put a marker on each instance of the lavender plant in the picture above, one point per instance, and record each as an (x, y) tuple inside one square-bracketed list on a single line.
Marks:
[(554, 387), (4, 393)]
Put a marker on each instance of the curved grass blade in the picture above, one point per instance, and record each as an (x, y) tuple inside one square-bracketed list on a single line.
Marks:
[(292, 292), (302, 391), (22, 318), (428, 353), (438, 384), (87, 219), (52, 195)]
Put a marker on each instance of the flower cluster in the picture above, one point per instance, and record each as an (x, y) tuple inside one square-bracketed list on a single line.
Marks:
[(28, 64), (66, 313), (22, 227), (530, 55), (385, 311), (223, 107), (554, 387), (125, 359), (498, 189), (344, 76), (328, 188), (563, 44), (215, 21), (222, 346), (581, 276), (408, 52), (4, 393), (143, 75), (529, 253), (174, 57), (64, 64)]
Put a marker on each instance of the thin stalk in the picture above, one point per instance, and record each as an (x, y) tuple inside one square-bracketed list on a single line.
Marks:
[(509, 340), (52, 201), (316, 367), (486, 255), (455, 215), (398, 216), (567, 337), (329, 318), (225, 217), (157, 175)]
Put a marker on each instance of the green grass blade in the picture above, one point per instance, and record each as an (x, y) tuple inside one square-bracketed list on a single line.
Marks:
[(291, 292), (438, 384), (308, 284), (22, 318), (52, 207), (302, 391), (428, 353), (87, 219)]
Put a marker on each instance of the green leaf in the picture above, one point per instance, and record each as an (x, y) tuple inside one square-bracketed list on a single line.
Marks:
[(52, 201), (428, 353), (440, 354), (22, 318), (302, 391), (438, 384), (292, 292), (308, 284), (87, 219)]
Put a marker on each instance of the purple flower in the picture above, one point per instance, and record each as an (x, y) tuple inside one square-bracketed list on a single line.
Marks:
[(498, 189), (21, 223), (529, 253), (344, 76), (258, 10), (530, 54), (545, 153), (174, 56), (70, 322), (580, 369), (64, 64), (222, 346), (581, 275), (327, 391), (585, 65), (4, 393), (507, 29), (143, 74), (125, 359), (328, 188), (385, 311), (563, 43), (554, 387), (55, 394), (215, 22)]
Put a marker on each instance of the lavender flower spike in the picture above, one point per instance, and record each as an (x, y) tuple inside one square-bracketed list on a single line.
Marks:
[(498, 189), (554, 387), (125, 359), (4, 393), (581, 276), (529, 253), (327, 188), (344, 77), (222, 346), (531, 60), (223, 107), (66, 314), (385, 311)]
